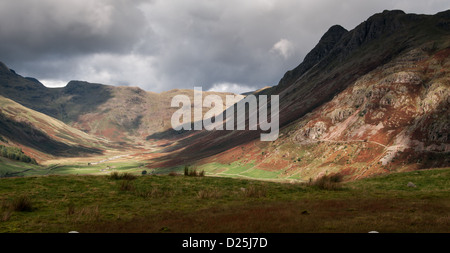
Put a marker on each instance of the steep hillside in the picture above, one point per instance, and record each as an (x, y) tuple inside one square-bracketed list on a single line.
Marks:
[(366, 101), (41, 136), (125, 114), (134, 115)]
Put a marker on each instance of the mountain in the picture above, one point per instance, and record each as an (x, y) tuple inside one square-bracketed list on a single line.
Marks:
[(366, 101), (118, 113), (44, 137), (82, 119)]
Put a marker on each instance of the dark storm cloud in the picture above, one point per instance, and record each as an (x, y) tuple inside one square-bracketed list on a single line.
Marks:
[(50, 36), (164, 44), (30, 28)]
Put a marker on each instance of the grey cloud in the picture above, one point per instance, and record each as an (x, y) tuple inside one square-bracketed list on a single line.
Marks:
[(39, 31), (164, 44)]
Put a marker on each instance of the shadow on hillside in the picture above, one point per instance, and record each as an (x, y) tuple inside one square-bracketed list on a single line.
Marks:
[(31, 137), (433, 131), (66, 104)]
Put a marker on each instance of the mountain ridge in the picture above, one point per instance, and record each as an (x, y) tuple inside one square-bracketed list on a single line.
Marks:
[(120, 113), (389, 47)]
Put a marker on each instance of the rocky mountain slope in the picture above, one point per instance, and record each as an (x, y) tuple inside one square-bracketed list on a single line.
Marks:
[(371, 100)]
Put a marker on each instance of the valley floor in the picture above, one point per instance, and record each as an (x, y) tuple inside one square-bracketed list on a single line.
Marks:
[(165, 204)]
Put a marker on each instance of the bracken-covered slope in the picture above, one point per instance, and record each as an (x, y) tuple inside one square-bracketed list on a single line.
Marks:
[(367, 101)]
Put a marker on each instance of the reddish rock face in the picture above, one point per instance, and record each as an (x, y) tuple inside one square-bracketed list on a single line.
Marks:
[(367, 101)]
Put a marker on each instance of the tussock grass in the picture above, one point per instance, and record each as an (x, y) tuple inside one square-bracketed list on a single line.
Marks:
[(328, 182), (21, 204), (6, 215), (173, 174), (209, 194), (90, 213), (122, 176), (86, 213), (126, 185), (254, 192), (193, 172), (154, 192), (70, 209)]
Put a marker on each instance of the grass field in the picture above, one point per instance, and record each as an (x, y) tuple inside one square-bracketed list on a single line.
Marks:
[(10, 168), (15, 168), (162, 203), (232, 170)]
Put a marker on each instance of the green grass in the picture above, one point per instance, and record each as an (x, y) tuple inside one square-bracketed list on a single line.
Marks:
[(436, 181), (262, 174), (238, 168), (10, 167), (102, 168), (214, 167), (212, 204), (15, 153), (165, 171)]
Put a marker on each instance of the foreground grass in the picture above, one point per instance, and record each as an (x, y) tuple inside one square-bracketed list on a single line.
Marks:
[(156, 203)]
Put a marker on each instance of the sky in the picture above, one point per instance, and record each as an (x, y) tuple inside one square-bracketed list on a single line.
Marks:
[(159, 45)]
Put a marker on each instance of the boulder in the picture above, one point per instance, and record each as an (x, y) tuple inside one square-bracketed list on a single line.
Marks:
[(411, 184)]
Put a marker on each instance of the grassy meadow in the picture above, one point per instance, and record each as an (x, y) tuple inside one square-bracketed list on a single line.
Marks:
[(9, 168), (126, 201)]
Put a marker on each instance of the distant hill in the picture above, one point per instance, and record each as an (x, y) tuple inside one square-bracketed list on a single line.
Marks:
[(42, 136), (117, 113)]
